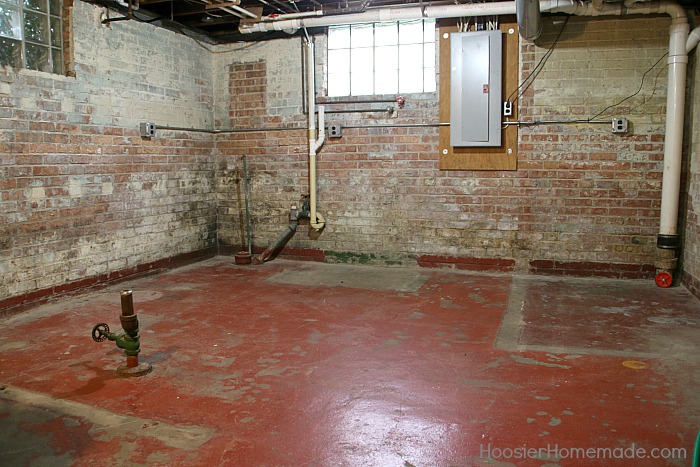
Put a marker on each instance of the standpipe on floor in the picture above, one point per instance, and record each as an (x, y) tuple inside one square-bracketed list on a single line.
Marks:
[(128, 340)]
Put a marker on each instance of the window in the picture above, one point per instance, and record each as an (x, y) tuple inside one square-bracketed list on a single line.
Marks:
[(31, 34), (381, 58)]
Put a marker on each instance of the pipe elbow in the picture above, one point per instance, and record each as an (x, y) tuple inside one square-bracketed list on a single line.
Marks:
[(673, 9), (693, 39), (320, 222)]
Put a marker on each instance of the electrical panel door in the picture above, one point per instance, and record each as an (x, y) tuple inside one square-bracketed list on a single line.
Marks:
[(475, 88)]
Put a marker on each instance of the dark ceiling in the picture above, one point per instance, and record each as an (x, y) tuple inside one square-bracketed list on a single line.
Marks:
[(216, 21)]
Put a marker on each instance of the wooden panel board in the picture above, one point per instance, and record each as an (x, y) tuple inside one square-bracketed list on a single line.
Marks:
[(504, 157)]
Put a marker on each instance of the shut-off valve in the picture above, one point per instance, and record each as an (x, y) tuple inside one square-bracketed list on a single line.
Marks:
[(128, 340)]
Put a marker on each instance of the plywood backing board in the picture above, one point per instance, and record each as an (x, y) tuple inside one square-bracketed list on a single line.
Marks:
[(504, 157)]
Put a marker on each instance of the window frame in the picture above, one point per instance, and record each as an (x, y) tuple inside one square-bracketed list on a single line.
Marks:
[(427, 71), (52, 45)]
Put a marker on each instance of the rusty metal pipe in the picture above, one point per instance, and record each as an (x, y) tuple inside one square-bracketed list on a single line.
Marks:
[(127, 297)]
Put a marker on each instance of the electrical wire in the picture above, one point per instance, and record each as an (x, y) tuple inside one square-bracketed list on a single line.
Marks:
[(641, 84), (529, 80)]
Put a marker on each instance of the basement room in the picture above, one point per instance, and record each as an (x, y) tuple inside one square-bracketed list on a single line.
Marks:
[(402, 233)]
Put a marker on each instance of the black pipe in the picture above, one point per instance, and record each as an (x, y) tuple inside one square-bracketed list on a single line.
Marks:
[(276, 247)]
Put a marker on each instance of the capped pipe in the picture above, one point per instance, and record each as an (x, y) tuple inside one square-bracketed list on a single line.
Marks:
[(529, 19)]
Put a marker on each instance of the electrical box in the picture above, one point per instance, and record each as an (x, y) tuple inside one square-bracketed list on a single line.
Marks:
[(148, 130), (335, 131), (619, 125), (475, 88)]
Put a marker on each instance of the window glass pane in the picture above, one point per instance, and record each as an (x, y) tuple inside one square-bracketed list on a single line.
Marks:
[(339, 38), (386, 82), (429, 84), (429, 54), (361, 84), (411, 32), (386, 34), (410, 56), (429, 31), (55, 7), (339, 84), (36, 27), (361, 35), (361, 61), (38, 5), (37, 57), (386, 58), (10, 22), (411, 80), (56, 36), (57, 57), (10, 52), (339, 61)]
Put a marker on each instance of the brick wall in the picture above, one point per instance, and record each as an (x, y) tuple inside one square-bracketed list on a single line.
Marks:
[(690, 200), (583, 201), (82, 196)]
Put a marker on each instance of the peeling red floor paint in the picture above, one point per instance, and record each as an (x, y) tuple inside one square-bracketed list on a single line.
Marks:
[(278, 373)]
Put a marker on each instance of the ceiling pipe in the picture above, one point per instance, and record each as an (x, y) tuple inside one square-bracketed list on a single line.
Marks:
[(386, 14), (529, 19)]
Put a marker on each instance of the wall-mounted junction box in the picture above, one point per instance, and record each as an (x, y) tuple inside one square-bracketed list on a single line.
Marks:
[(335, 131), (148, 130), (620, 125), (475, 88)]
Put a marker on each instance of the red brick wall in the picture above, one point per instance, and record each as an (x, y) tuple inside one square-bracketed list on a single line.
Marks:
[(583, 201), (690, 198), (82, 196)]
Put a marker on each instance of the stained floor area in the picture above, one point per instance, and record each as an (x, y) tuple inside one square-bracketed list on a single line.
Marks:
[(290, 364)]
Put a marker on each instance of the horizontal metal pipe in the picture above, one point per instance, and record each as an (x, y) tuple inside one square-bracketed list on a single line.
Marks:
[(358, 101), (350, 111), (370, 125), (229, 130), (554, 122)]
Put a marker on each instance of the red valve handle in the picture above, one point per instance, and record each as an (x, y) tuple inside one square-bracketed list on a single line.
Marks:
[(664, 279)]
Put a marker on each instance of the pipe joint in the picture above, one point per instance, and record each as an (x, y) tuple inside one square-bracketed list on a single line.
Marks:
[(668, 242)]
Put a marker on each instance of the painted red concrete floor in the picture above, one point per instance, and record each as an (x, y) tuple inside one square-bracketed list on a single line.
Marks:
[(296, 364)]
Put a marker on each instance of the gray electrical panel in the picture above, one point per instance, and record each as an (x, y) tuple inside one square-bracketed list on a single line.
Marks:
[(475, 88)]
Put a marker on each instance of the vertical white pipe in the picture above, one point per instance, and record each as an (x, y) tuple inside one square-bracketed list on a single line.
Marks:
[(316, 221), (673, 144)]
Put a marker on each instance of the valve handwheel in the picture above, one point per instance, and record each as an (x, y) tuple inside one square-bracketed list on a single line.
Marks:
[(99, 332), (664, 279)]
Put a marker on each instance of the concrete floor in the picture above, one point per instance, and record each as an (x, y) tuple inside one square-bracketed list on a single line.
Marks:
[(294, 364)]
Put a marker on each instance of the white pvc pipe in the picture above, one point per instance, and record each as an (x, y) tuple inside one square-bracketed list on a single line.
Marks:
[(673, 142), (384, 15), (316, 220), (693, 39)]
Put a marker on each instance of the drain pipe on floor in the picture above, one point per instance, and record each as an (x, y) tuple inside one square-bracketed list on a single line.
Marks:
[(276, 247)]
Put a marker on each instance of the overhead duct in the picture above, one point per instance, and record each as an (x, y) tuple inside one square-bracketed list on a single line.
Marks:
[(529, 19)]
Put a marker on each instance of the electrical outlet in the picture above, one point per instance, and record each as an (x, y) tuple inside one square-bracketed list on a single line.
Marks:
[(148, 130), (507, 109), (335, 131), (619, 125)]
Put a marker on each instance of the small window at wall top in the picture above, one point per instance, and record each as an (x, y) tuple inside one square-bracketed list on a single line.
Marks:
[(31, 35), (381, 58)]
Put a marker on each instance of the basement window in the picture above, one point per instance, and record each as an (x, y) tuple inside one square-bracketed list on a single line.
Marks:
[(31, 35), (381, 58)]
